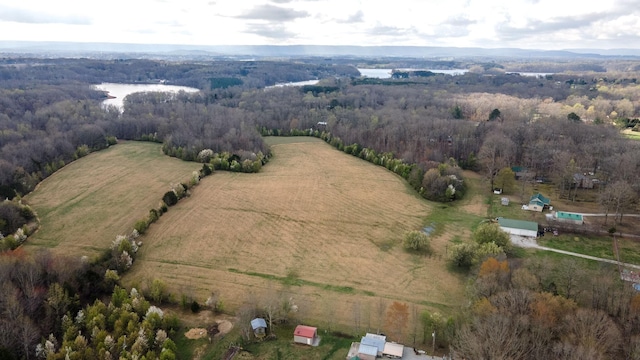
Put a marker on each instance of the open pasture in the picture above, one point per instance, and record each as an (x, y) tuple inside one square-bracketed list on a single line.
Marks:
[(83, 206), (315, 225)]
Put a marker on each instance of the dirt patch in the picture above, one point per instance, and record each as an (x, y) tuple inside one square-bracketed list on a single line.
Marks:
[(196, 333), (224, 327), (475, 206)]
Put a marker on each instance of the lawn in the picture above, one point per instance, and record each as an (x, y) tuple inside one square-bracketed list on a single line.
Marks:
[(83, 206), (316, 226), (599, 246)]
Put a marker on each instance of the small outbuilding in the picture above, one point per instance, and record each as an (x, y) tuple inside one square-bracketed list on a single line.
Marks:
[(504, 201), (374, 340), (259, 327), (568, 217), (367, 352), (393, 350), (307, 335), (519, 227)]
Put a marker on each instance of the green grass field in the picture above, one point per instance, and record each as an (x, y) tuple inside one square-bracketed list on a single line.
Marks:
[(599, 246), (83, 206)]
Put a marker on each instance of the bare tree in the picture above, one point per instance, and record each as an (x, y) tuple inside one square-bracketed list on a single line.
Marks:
[(617, 197), (497, 152)]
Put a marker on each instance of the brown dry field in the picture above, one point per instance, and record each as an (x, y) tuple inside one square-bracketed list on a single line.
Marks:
[(314, 214), (83, 206)]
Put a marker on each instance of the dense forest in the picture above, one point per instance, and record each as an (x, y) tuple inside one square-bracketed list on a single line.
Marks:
[(486, 120)]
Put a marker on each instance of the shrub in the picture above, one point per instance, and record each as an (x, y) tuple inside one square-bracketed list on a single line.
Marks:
[(195, 307), (464, 255), (491, 232), (170, 198), (157, 290), (141, 226), (416, 241)]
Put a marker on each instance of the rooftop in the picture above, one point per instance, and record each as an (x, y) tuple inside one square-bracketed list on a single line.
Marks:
[(374, 340), (568, 215), (518, 224), (305, 331), (539, 197), (258, 323)]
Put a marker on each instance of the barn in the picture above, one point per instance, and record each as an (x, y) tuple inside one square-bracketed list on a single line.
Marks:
[(305, 335), (519, 227)]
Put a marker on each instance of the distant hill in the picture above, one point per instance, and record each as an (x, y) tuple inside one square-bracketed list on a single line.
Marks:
[(77, 49)]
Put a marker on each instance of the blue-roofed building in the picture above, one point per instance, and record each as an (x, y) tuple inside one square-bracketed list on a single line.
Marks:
[(374, 340), (367, 352), (259, 327)]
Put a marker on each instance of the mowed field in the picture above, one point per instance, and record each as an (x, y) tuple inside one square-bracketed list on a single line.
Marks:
[(315, 225), (83, 206)]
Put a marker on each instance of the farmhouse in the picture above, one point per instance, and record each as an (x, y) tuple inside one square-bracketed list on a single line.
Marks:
[(306, 335), (568, 217), (539, 202), (259, 327), (519, 227)]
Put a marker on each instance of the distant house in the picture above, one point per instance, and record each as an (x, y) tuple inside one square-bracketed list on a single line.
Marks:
[(259, 327), (519, 227), (305, 335), (538, 203), (582, 181), (393, 350), (568, 217), (520, 172)]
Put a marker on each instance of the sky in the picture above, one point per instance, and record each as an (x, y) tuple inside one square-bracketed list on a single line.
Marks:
[(527, 24)]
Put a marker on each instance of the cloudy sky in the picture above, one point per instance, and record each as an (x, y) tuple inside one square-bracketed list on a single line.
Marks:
[(530, 24)]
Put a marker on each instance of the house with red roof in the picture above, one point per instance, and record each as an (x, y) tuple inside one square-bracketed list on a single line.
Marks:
[(307, 335)]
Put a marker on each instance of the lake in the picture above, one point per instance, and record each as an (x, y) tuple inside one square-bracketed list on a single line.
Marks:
[(295, 83), (386, 73), (119, 91)]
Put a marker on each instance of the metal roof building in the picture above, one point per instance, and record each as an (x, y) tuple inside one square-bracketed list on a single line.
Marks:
[(519, 227)]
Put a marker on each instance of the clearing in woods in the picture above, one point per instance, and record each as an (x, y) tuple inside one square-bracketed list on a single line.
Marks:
[(83, 206), (315, 225)]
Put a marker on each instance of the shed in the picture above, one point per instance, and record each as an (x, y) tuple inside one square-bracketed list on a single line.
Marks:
[(367, 352), (504, 201), (374, 340), (569, 217), (259, 327), (538, 202), (305, 334), (519, 227), (393, 350)]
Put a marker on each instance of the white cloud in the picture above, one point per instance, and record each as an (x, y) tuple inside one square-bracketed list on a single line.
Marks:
[(547, 24)]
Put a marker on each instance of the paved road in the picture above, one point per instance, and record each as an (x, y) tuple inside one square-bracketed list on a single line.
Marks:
[(531, 243)]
